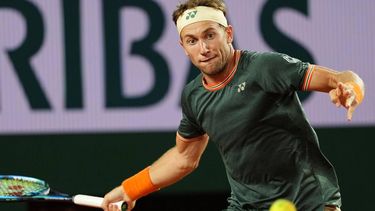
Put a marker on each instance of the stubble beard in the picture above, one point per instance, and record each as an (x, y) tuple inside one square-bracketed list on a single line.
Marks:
[(216, 70)]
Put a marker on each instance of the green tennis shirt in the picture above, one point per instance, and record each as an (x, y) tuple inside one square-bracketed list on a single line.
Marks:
[(268, 147)]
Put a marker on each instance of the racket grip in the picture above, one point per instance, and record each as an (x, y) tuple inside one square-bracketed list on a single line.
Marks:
[(94, 201)]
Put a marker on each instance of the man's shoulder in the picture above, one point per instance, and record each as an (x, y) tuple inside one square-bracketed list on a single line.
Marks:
[(262, 55), (193, 85), (258, 59), (266, 59)]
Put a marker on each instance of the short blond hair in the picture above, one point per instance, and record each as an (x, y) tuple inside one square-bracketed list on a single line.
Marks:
[(189, 4)]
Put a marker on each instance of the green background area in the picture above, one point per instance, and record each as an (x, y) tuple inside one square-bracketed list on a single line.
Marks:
[(95, 163)]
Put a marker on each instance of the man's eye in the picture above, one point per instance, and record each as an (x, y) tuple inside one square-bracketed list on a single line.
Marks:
[(190, 41), (210, 35)]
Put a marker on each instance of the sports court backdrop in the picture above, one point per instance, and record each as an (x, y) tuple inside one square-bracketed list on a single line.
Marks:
[(90, 65), (90, 89)]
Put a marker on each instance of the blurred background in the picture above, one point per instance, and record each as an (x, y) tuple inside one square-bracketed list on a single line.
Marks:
[(90, 92)]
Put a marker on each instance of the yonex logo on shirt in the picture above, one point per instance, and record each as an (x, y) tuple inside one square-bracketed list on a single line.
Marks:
[(191, 14), (241, 87), (290, 59)]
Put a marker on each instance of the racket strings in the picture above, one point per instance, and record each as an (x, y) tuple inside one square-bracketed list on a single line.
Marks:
[(19, 187)]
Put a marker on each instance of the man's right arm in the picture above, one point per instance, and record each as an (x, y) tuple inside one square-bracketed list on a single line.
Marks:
[(171, 167), (179, 161)]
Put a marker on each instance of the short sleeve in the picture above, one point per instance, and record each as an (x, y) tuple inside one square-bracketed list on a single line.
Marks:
[(189, 127), (283, 73)]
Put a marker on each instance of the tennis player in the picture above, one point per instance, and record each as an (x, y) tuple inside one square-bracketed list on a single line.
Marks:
[(245, 102)]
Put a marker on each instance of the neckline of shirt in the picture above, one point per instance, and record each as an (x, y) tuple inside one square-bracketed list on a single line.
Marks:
[(226, 80)]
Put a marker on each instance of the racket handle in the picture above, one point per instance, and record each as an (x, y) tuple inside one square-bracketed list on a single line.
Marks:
[(94, 201)]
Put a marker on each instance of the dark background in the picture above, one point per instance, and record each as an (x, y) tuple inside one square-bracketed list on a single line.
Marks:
[(95, 163)]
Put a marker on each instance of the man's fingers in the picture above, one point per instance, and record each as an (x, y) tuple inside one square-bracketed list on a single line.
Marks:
[(345, 96), (334, 98), (350, 112), (339, 90), (105, 204), (340, 87), (131, 205), (116, 208), (350, 100), (113, 196)]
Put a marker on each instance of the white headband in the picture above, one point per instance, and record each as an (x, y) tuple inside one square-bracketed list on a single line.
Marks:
[(200, 13)]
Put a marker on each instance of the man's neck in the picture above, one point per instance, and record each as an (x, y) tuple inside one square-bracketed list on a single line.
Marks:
[(215, 79)]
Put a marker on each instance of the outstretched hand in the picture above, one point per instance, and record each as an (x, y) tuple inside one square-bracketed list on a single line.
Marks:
[(344, 95), (116, 195)]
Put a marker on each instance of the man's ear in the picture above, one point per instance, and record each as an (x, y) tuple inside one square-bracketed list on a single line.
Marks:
[(229, 33)]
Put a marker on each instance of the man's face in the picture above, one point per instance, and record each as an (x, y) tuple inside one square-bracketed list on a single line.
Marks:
[(208, 45)]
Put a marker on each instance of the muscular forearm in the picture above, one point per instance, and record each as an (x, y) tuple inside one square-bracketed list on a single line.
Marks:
[(178, 161), (170, 168), (325, 79), (345, 88)]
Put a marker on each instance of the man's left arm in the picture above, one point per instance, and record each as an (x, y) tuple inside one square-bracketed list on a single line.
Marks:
[(345, 88)]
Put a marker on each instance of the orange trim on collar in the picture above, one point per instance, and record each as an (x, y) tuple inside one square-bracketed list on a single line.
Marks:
[(220, 85)]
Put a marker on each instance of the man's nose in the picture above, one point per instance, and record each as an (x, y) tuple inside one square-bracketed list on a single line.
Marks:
[(203, 47)]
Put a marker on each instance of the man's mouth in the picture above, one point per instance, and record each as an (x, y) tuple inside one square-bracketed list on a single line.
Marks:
[(208, 59)]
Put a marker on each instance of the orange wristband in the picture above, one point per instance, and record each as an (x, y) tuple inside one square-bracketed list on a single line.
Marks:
[(139, 185), (357, 90)]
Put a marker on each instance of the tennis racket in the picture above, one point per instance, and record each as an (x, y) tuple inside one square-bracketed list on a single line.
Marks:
[(20, 188)]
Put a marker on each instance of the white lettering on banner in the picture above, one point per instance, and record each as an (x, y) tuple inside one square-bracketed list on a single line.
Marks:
[(41, 91)]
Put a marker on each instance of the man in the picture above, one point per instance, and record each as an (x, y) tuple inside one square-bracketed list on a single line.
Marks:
[(246, 103)]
